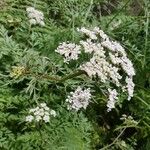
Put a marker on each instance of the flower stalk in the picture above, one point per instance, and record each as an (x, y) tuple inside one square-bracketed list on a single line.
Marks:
[(56, 78)]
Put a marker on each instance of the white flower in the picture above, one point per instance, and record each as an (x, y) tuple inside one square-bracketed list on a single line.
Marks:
[(90, 47), (38, 118), (130, 87), (35, 16), (118, 48), (114, 75), (101, 33), (114, 58), (46, 118), (41, 112), (36, 112), (100, 67), (29, 118), (127, 66), (125, 63), (108, 68), (32, 110), (43, 105), (46, 108), (108, 44), (30, 9), (108, 61), (128, 120), (79, 99), (32, 21), (42, 23), (112, 99), (96, 66), (69, 50), (53, 113), (87, 32)]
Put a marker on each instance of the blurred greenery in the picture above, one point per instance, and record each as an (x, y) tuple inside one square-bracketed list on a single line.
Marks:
[(34, 49)]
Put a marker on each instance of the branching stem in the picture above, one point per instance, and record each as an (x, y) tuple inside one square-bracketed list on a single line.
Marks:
[(116, 139), (58, 79)]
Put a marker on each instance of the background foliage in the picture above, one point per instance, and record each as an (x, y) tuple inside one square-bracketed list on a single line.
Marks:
[(33, 48)]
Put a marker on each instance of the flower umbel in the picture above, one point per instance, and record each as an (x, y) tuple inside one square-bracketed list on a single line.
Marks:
[(35, 16), (107, 60), (40, 113), (79, 99), (69, 50)]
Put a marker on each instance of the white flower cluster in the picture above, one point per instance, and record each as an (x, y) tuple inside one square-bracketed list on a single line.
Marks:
[(108, 61), (87, 32), (98, 65), (35, 16), (112, 99), (69, 50), (42, 112), (92, 34), (79, 99), (90, 47), (130, 87), (107, 68)]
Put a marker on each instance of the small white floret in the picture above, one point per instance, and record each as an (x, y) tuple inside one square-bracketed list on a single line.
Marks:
[(29, 118)]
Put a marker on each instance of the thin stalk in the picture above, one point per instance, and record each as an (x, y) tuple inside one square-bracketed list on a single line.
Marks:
[(148, 105), (73, 21), (34, 3), (57, 79), (146, 124), (70, 76), (116, 139), (44, 76), (128, 126), (73, 27), (87, 13), (117, 13), (146, 32)]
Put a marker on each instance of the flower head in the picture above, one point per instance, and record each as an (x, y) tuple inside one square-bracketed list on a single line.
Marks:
[(108, 61), (35, 16), (41, 112), (29, 118), (79, 99), (112, 99), (69, 50), (87, 32)]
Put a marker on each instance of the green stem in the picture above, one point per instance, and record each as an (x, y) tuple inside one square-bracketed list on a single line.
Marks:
[(73, 22), (146, 124), (87, 13), (57, 79), (128, 126), (116, 139), (117, 13), (75, 74), (148, 105), (49, 77), (45, 76), (146, 32)]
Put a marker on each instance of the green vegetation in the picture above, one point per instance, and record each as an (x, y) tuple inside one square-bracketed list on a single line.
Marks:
[(31, 72)]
